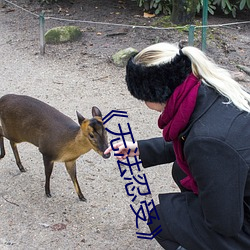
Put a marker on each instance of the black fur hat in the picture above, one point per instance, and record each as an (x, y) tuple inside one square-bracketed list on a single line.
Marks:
[(156, 83)]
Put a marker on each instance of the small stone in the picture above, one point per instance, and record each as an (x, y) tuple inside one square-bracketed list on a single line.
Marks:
[(121, 58), (63, 34), (239, 76)]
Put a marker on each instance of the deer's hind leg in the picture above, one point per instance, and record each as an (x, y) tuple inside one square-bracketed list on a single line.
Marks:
[(1, 144), (48, 164), (71, 168), (16, 154)]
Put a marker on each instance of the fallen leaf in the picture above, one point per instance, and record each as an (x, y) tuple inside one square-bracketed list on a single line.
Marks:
[(147, 15), (58, 227)]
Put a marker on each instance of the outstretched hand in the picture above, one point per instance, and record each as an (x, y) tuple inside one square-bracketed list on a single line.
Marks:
[(119, 148)]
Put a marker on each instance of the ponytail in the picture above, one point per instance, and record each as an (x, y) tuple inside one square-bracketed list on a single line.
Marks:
[(218, 78)]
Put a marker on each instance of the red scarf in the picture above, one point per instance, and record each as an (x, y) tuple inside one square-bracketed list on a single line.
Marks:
[(174, 119)]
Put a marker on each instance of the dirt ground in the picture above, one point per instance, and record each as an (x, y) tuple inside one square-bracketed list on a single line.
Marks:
[(77, 76)]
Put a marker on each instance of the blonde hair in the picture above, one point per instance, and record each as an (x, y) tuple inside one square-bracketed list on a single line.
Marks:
[(202, 67)]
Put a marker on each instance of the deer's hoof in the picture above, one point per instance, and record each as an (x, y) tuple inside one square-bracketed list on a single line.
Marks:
[(82, 198)]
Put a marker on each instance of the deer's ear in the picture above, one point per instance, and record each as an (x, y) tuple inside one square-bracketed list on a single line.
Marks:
[(80, 118), (96, 111)]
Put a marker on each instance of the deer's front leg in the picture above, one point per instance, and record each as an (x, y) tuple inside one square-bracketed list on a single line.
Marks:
[(71, 168)]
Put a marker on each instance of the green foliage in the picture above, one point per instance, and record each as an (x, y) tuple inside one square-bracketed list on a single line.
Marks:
[(226, 6), (165, 6), (244, 4), (211, 7), (157, 6)]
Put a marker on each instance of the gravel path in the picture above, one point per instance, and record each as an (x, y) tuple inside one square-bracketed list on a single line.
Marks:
[(77, 76), (68, 79)]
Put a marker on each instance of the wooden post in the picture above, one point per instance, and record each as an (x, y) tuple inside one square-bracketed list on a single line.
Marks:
[(204, 24), (191, 35), (42, 31)]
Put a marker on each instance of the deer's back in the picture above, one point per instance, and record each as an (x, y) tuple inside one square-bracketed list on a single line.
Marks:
[(24, 118)]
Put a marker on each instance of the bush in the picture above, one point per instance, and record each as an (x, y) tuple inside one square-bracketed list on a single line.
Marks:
[(156, 6), (165, 6), (232, 6)]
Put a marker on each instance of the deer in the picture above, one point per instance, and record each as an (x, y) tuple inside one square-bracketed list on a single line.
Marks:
[(58, 138)]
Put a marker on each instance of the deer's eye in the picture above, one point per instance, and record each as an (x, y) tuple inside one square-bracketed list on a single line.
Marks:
[(91, 136)]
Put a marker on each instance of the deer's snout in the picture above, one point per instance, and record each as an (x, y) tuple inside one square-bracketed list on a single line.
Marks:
[(106, 156)]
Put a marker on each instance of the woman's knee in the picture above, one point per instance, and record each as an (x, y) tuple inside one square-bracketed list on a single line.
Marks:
[(154, 220), (160, 230)]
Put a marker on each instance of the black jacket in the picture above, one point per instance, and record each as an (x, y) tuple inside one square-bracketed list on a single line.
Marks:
[(216, 145)]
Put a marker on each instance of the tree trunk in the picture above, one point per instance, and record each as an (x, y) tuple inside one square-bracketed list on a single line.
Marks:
[(183, 11)]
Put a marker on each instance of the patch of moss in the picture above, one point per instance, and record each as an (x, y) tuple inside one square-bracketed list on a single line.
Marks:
[(63, 34), (163, 22)]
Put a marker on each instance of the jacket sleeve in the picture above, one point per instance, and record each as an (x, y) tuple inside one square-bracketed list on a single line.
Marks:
[(220, 173), (155, 151)]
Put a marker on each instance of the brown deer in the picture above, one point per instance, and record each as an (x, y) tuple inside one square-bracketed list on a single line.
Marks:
[(59, 138)]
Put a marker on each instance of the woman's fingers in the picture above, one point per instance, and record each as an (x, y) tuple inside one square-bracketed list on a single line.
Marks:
[(122, 152), (108, 150), (119, 146)]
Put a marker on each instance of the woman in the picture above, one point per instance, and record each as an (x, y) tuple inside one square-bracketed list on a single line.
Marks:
[(205, 118)]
